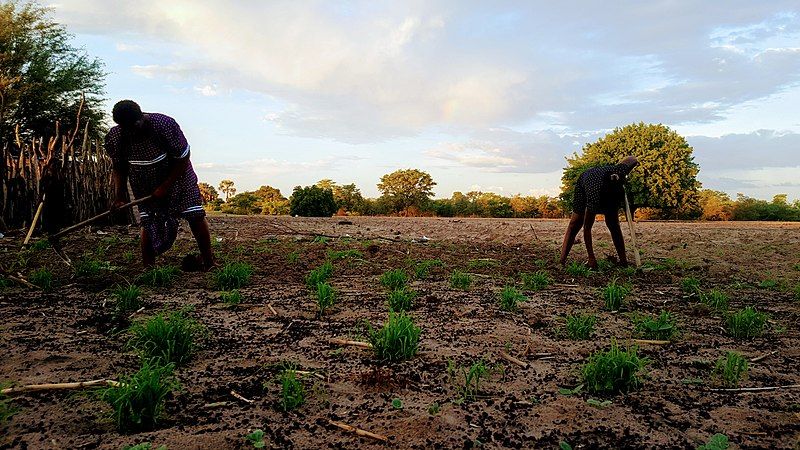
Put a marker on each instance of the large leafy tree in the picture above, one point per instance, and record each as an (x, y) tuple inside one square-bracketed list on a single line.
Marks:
[(227, 188), (407, 187), (207, 193), (272, 201), (312, 201), (666, 177), (43, 76), (347, 196)]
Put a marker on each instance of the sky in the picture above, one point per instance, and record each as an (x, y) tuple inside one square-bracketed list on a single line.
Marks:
[(483, 95)]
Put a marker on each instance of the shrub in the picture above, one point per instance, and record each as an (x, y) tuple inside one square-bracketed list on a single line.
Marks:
[(613, 370), (509, 298), (231, 298), (715, 299), (401, 299), (536, 281), (460, 280), (166, 339), (319, 275), (312, 201), (746, 323), (126, 300), (42, 278), (423, 269), (716, 442), (397, 340), (326, 296), (662, 327), (292, 391), (614, 294), (159, 276), (138, 400), (580, 327), (394, 279), (577, 269), (690, 286), (233, 275), (730, 369)]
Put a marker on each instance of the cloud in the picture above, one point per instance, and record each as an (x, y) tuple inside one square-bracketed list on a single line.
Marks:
[(756, 150)]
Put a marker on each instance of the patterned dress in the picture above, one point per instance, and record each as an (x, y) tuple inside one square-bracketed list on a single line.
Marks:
[(146, 159), (596, 192)]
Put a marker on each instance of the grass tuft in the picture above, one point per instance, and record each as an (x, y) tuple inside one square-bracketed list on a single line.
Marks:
[(509, 299), (394, 279), (292, 390), (233, 275), (614, 294), (460, 280), (613, 370), (159, 276), (231, 298), (581, 326), (127, 299), (472, 380), (344, 254), (319, 275), (661, 327), (397, 340), (166, 339), (402, 299), (422, 269), (326, 296), (42, 278), (6, 408), (577, 269), (138, 401), (730, 369), (536, 281), (90, 267), (746, 323), (715, 299), (690, 286)]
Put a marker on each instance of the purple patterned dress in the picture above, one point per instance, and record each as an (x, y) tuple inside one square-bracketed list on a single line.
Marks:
[(146, 159)]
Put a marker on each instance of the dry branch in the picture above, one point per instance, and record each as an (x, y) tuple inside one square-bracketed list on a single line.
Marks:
[(274, 313), (239, 397), (758, 389), (337, 341), (513, 360), (651, 342), (764, 356), (358, 431), (58, 386)]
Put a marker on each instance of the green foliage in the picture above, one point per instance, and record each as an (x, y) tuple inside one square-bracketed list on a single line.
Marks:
[(564, 445), (4, 282), (344, 254), (434, 408), (405, 188), (730, 369), (614, 294), (347, 196), (715, 299), (510, 297), (472, 380), (233, 275), (312, 201), (423, 269), (397, 403), (576, 269), (690, 286), (326, 296), (138, 400), (768, 284), (460, 280), (661, 327), (666, 177), (319, 275), (716, 442), (397, 340), (482, 263), (746, 208), (293, 257), (6, 408), (127, 299), (401, 299), (144, 446), (746, 323), (40, 245), (166, 339), (394, 279), (231, 298), (293, 394), (42, 278), (613, 370), (536, 281), (580, 326), (159, 276), (256, 439)]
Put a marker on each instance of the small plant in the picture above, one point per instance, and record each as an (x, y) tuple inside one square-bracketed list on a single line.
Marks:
[(401, 299), (716, 442), (42, 278), (662, 327), (434, 408), (326, 296), (233, 275), (126, 300), (231, 298), (293, 257), (746, 323), (730, 369), (90, 267), (613, 370), (4, 282), (509, 298), (768, 284), (472, 380), (564, 445), (319, 275), (344, 254), (397, 403), (166, 339), (577, 269), (394, 279), (598, 404), (292, 391), (144, 446), (256, 439), (715, 299), (482, 263), (320, 240), (613, 295), (6, 408), (690, 286), (422, 269), (138, 400), (397, 340), (159, 276), (580, 326), (536, 281), (460, 280), (41, 244)]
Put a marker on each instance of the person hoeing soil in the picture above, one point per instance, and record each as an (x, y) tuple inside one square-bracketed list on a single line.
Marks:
[(150, 151), (599, 190)]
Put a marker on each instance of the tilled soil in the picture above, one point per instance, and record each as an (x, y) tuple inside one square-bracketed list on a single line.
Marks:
[(68, 334)]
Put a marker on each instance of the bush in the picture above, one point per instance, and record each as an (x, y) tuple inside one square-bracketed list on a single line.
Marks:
[(730, 369), (138, 400), (233, 275), (397, 340), (614, 294), (319, 275), (536, 281), (312, 201), (159, 276), (165, 340), (580, 327), (613, 370), (42, 278), (509, 298), (662, 327), (746, 323), (292, 391), (326, 296), (460, 280), (401, 299), (126, 300), (394, 279)]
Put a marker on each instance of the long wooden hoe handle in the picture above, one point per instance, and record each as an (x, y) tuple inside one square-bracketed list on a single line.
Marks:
[(638, 259), (99, 216), (35, 220)]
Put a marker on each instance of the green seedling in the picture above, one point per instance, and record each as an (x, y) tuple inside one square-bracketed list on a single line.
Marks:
[(715, 299), (661, 327), (292, 391), (41, 244), (293, 257), (613, 370), (138, 400), (6, 408), (598, 404), (4, 282), (90, 267), (231, 298), (746, 323), (326, 296), (127, 299), (434, 408), (460, 280), (344, 254), (577, 269), (319, 275), (159, 276), (256, 439), (797, 292), (472, 380), (567, 391), (397, 403), (233, 275), (42, 278), (769, 284), (483, 263), (730, 370), (394, 279), (536, 281), (166, 339), (397, 340), (690, 286), (509, 299), (614, 294), (423, 269), (580, 326), (320, 240), (716, 442), (564, 445), (401, 299)]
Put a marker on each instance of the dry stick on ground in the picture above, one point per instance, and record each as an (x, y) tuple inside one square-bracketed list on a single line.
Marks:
[(765, 355), (358, 431), (757, 389), (239, 397), (651, 342), (19, 280), (337, 341), (274, 313), (511, 359), (59, 386)]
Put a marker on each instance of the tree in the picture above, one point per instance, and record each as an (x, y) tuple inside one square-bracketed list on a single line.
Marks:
[(312, 201), (227, 188), (666, 177), (715, 205), (207, 193), (245, 203), (42, 76), (406, 188), (272, 201), (524, 206)]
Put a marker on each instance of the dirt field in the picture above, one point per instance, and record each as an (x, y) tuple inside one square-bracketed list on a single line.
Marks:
[(67, 335)]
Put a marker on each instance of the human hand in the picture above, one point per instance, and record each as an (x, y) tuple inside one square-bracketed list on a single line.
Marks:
[(159, 193)]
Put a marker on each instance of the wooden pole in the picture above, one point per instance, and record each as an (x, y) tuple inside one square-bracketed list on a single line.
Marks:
[(628, 214), (33, 223), (98, 217), (58, 386)]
